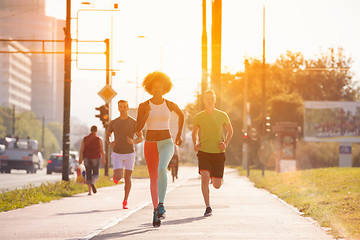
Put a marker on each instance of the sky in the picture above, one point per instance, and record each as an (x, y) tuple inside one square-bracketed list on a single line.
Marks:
[(171, 42)]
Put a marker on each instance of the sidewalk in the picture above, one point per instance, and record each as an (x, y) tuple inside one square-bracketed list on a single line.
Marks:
[(81, 215), (240, 211)]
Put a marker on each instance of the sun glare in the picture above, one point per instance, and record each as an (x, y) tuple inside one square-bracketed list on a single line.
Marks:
[(171, 39)]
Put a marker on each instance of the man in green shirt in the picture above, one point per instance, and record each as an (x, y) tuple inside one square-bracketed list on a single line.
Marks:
[(211, 145)]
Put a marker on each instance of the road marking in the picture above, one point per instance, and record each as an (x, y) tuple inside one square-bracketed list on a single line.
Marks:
[(114, 222)]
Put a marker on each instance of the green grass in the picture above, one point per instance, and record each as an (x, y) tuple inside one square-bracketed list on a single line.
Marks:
[(47, 192), (331, 196)]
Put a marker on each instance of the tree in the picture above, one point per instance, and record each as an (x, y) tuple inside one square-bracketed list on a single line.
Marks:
[(27, 125), (324, 78), (56, 129), (290, 81), (6, 115), (287, 108), (334, 83), (2, 127)]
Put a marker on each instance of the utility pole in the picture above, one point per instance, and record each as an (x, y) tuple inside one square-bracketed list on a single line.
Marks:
[(216, 48), (67, 94), (204, 49), (245, 163), (13, 121), (106, 145), (43, 135), (263, 92)]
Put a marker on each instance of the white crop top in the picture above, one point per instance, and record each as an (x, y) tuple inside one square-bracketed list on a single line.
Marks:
[(159, 117)]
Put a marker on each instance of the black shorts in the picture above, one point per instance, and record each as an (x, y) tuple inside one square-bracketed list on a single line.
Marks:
[(212, 162)]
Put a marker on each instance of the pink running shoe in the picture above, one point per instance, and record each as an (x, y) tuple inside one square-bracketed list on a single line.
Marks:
[(116, 182), (125, 204)]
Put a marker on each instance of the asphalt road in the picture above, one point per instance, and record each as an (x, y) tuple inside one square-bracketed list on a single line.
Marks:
[(20, 179)]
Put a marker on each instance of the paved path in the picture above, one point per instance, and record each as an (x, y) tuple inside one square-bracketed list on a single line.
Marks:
[(240, 211)]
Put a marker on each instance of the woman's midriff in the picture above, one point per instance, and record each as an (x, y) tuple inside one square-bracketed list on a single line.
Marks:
[(157, 135)]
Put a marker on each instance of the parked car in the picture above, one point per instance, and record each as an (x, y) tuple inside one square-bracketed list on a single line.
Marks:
[(55, 163), (75, 155), (19, 153)]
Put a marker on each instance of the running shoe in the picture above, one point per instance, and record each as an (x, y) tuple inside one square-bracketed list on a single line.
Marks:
[(208, 212), (93, 188), (125, 204), (161, 211), (116, 182), (156, 220)]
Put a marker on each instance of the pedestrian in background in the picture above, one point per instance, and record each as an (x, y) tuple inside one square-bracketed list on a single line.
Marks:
[(159, 146), (90, 152), (174, 162), (211, 146), (123, 155)]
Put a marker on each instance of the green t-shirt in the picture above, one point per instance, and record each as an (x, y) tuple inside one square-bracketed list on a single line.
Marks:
[(211, 129)]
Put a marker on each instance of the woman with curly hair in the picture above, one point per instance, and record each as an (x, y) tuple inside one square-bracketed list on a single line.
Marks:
[(159, 146)]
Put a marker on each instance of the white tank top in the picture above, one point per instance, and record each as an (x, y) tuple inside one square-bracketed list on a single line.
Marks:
[(159, 117)]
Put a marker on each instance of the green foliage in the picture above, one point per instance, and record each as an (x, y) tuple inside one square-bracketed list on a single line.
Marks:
[(287, 108), (356, 154), (331, 196), (27, 125), (324, 78), (332, 85), (2, 127), (308, 155), (317, 154), (30, 195), (6, 116), (189, 116), (56, 129)]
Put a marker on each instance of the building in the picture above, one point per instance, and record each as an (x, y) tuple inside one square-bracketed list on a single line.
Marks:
[(15, 77), (26, 19), (18, 6)]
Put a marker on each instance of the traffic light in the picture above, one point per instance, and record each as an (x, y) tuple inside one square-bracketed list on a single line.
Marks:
[(245, 137), (267, 125), (103, 115)]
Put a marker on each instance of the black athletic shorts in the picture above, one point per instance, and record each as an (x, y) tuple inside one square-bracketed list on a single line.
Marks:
[(212, 162)]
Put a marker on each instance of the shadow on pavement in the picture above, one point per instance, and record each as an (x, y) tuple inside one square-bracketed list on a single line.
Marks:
[(176, 222), (182, 221), (126, 233), (87, 212)]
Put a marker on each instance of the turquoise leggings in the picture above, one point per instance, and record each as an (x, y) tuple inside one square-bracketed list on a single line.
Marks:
[(158, 155)]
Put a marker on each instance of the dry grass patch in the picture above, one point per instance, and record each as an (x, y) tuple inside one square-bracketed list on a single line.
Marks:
[(331, 196), (20, 198)]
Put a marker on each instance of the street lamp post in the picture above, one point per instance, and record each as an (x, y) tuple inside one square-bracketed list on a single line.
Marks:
[(245, 121), (263, 91), (216, 49), (43, 134), (204, 48), (108, 105)]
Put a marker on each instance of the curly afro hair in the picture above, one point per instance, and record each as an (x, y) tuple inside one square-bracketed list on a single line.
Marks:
[(157, 76)]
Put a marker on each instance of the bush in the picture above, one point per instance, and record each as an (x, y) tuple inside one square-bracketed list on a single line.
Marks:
[(317, 154), (356, 154)]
